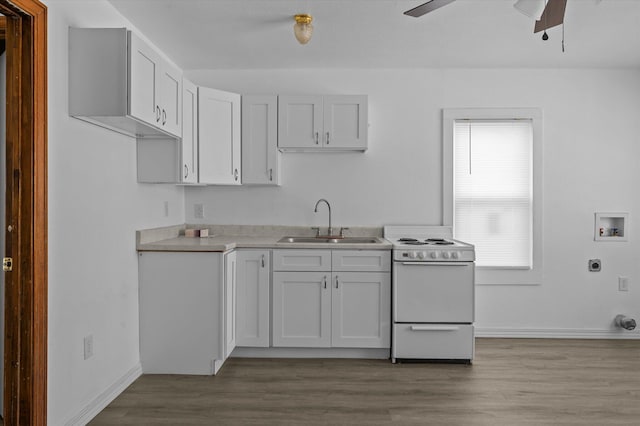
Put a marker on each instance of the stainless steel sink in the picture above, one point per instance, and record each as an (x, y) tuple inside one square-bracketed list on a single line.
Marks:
[(324, 240)]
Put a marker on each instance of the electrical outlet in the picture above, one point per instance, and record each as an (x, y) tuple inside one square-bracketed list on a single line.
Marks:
[(198, 211), (166, 209), (623, 283), (595, 265), (88, 346)]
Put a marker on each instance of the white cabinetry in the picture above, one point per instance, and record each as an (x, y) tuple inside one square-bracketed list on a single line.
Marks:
[(155, 87), (119, 82), (230, 297), (189, 172), (342, 303), (260, 155), (219, 136), (186, 308), (254, 276), (167, 160), (361, 309), (301, 309), (312, 122)]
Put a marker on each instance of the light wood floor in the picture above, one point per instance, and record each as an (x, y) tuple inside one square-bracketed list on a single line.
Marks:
[(515, 382)]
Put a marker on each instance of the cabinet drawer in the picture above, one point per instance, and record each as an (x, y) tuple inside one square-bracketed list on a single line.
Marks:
[(302, 260), (361, 260), (433, 341)]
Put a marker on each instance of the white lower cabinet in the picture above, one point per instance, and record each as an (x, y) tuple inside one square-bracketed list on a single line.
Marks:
[(301, 309), (186, 311), (253, 313), (340, 309), (361, 310)]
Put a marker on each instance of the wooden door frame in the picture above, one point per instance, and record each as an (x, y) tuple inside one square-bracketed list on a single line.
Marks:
[(25, 356)]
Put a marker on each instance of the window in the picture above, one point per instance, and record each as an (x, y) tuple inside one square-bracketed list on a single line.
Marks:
[(492, 190)]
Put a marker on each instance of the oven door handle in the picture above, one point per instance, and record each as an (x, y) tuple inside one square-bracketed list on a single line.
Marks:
[(437, 263), (434, 328)]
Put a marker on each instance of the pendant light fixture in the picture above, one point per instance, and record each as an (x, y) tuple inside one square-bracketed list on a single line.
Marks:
[(303, 29)]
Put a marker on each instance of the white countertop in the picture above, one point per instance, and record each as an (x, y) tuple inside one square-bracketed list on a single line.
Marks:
[(229, 242)]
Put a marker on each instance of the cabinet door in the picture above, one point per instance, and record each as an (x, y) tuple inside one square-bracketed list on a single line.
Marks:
[(300, 121), (361, 310), (189, 169), (301, 309), (260, 153), (144, 73), (171, 99), (253, 298), (219, 136), (230, 303), (345, 122)]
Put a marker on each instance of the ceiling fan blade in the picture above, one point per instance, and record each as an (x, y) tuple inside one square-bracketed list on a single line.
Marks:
[(553, 15), (427, 7)]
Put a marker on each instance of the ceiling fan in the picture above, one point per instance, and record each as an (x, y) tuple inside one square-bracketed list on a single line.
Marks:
[(548, 13)]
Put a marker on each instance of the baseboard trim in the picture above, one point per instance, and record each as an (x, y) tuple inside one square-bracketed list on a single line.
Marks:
[(282, 352), (555, 333), (105, 398)]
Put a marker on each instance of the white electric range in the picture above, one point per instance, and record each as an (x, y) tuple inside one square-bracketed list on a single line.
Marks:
[(433, 294)]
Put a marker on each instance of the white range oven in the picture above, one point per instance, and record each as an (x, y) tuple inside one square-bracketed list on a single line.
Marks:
[(433, 294)]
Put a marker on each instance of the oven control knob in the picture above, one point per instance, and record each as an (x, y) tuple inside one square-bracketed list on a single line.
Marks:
[(434, 255), (412, 255), (421, 255), (446, 255), (455, 255)]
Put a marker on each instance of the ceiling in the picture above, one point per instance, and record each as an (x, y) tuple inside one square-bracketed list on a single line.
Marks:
[(212, 34)]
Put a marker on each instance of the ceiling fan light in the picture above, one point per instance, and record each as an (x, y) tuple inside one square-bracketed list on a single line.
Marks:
[(303, 29), (531, 8)]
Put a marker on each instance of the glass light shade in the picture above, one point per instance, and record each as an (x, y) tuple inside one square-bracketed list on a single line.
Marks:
[(303, 29)]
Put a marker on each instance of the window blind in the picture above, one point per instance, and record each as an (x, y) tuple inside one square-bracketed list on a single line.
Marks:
[(493, 197)]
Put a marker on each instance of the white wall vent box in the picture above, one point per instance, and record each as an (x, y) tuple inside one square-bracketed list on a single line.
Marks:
[(611, 227)]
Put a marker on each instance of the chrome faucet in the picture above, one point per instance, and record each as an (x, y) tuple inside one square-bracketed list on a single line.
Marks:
[(330, 230)]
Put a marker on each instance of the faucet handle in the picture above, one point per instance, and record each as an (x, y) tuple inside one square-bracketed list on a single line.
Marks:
[(317, 229), (344, 228)]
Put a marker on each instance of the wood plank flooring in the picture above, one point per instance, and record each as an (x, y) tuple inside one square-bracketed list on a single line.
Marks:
[(512, 382)]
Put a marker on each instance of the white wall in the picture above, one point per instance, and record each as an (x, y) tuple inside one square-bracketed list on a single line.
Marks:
[(591, 150), (95, 206)]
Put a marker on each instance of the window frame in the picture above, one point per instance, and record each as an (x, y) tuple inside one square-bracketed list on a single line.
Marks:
[(498, 275)]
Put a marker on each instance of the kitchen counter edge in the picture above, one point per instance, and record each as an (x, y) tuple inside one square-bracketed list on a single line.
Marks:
[(224, 243)]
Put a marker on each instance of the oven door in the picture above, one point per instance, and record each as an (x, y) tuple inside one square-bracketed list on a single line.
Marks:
[(433, 292)]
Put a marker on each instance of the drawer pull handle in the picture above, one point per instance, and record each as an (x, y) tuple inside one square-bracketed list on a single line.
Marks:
[(263, 260), (434, 328)]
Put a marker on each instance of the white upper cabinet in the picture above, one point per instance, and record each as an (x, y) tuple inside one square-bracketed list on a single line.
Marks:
[(260, 155), (189, 155), (300, 122), (219, 137), (155, 87), (345, 122), (119, 82), (311, 122), (171, 99)]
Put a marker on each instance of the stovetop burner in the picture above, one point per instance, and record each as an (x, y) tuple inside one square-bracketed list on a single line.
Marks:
[(439, 241), (428, 241)]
